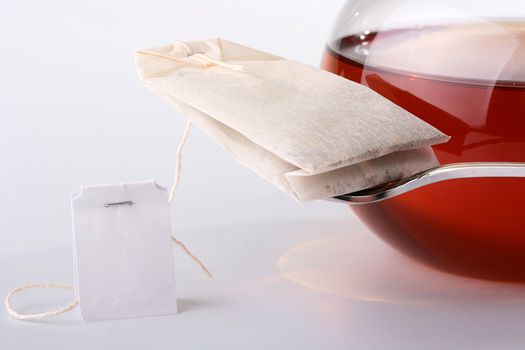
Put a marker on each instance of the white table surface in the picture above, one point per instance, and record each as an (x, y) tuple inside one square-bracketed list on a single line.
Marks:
[(287, 276), (283, 285)]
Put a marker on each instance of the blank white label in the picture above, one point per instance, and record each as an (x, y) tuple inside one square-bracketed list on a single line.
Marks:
[(123, 251)]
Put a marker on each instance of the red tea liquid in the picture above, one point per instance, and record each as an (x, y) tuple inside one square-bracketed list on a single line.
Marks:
[(468, 81)]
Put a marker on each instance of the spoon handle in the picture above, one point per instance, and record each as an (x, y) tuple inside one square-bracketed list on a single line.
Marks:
[(430, 176)]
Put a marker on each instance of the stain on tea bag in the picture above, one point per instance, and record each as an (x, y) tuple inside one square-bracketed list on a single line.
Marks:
[(355, 177), (307, 131)]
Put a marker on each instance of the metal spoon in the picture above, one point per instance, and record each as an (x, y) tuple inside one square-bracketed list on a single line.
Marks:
[(427, 177)]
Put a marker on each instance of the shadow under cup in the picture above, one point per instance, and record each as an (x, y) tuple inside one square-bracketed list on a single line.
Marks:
[(473, 227)]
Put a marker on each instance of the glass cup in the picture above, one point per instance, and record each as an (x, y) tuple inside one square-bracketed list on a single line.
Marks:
[(460, 66)]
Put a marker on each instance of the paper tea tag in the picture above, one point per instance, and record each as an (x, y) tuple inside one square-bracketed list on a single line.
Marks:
[(123, 252)]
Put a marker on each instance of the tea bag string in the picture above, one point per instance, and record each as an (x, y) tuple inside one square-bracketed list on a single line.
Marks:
[(36, 316), (195, 58), (29, 317), (171, 195)]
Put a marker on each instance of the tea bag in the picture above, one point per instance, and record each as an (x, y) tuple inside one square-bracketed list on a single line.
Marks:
[(311, 133)]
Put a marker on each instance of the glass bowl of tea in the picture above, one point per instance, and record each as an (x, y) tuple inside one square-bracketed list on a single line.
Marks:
[(460, 66)]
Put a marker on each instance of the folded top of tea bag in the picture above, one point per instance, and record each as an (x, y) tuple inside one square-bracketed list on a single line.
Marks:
[(285, 119)]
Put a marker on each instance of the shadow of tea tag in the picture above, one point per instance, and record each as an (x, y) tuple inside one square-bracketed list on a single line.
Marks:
[(123, 251)]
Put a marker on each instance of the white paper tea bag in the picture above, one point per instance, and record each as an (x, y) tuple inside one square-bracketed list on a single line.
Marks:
[(311, 133), (123, 251)]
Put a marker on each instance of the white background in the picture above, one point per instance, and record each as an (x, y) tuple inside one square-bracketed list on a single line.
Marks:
[(287, 276), (73, 111)]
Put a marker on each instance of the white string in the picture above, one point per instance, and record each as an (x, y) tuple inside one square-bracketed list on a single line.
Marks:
[(207, 60), (37, 316), (28, 317), (178, 162), (197, 58), (175, 184), (187, 251)]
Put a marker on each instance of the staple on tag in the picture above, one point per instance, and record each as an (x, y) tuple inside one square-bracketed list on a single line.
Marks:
[(107, 205)]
